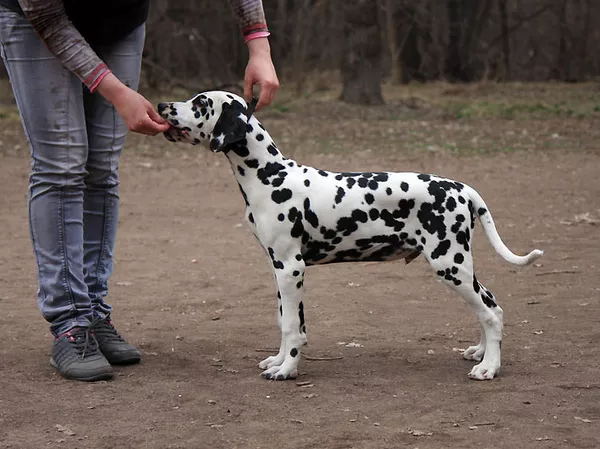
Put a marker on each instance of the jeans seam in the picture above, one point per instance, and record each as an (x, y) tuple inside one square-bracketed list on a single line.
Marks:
[(65, 258)]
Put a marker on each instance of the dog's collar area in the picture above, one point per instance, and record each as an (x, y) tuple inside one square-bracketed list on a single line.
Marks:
[(251, 107)]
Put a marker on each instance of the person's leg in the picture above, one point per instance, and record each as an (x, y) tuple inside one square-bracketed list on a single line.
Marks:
[(50, 102), (106, 137)]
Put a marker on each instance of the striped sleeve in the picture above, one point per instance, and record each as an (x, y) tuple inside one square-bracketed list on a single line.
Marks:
[(251, 17), (49, 20)]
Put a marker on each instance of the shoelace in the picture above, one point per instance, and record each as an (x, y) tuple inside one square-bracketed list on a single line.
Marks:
[(83, 341), (103, 328)]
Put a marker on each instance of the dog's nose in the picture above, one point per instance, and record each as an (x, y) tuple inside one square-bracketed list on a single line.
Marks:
[(162, 107)]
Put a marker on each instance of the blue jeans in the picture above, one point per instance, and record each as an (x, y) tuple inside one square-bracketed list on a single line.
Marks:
[(75, 138)]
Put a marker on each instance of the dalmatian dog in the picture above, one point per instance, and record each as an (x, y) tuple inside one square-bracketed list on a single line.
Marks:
[(304, 216)]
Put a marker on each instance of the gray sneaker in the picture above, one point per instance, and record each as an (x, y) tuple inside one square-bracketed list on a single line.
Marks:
[(114, 347), (76, 356)]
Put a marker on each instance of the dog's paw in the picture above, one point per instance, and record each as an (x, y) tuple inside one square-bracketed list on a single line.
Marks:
[(280, 373), (484, 371), (274, 360), (474, 353)]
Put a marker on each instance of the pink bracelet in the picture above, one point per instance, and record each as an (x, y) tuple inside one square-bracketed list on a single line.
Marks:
[(97, 75), (256, 35)]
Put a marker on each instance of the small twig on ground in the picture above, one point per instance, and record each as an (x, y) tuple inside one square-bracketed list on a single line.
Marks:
[(321, 359), (543, 273)]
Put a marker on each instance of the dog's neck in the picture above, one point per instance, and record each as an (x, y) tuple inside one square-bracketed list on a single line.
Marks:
[(259, 161)]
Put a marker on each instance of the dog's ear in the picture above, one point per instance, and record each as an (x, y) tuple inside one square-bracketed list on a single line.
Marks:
[(230, 127)]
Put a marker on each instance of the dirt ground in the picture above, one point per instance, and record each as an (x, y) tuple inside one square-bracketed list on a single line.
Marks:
[(193, 289)]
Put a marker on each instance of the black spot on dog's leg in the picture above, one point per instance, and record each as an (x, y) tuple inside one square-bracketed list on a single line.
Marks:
[(294, 352)]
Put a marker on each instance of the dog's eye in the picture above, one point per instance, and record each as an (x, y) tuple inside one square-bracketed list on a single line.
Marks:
[(199, 101)]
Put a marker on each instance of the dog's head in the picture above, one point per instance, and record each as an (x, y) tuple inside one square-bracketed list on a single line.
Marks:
[(216, 119)]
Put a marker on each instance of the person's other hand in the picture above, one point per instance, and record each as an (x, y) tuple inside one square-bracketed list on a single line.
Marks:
[(137, 112), (260, 71)]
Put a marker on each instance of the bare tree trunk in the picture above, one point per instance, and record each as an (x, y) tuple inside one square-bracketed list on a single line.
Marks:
[(505, 38), (562, 64), (361, 60), (585, 36), (392, 38)]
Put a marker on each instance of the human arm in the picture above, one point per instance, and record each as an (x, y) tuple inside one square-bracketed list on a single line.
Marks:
[(49, 20), (260, 69)]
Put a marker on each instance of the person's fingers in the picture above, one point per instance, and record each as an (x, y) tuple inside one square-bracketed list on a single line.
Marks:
[(155, 116), (248, 84)]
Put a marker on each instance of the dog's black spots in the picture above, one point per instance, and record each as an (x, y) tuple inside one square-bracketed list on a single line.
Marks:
[(425, 178), (448, 275), (301, 313), (369, 198), (481, 211), (451, 204), (174, 122), (281, 196), (337, 240), (454, 270), (348, 225), (363, 182), (196, 114), (299, 285), (196, 141), (294, 352), (260, 137), (418, 232), (298, 257), (381, 177), (340, 194), (241, 170), (459, 258), (250, 217), (272, 149), (261, 126), (280, 309), (347, 255), (404, 186), (423, 240), (309, 214), (460, 218), (296, 273), (173, 113), (305, 170), (390, 221), (270, 169), (488, 298), (307, 182), (463, 238), (290, 164), (252, 163), (323, 173), (373, 214), (277, 182), (202, 135), (476, 285), (276, 263), (405, 206), (388, 191), (244, 194), (431, 222), (298, 227), (373, 185), (411, 242), (203, 111), (461, 199), (281, 217), (249, 128), (328, 234), (241, 150), (339, 177), (350, 182), (200, 125)]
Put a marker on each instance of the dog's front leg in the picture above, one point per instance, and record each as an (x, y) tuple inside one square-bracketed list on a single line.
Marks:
[(289, 276)]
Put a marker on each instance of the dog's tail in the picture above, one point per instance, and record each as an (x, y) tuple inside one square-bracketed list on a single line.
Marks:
[(487, 222)]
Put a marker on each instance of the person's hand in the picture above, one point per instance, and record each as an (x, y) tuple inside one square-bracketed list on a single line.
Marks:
[(137, 112), (260, 70)]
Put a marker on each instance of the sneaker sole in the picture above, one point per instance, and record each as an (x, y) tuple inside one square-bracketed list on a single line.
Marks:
[(124, 359), (107, 375)]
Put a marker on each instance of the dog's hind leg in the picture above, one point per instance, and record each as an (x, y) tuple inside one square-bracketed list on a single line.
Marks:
[(460, 277), (289, 276)]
